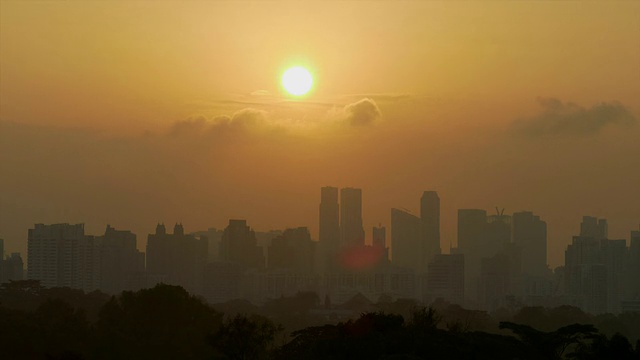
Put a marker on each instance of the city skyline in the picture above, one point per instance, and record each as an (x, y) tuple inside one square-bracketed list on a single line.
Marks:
[(501, 258), (554, 259)]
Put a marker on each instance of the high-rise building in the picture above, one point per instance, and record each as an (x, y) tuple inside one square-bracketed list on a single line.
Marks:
[(498, 233), (530, 235), (329, 229), (379, 236), (407, 241), (495, 282), (472, 232), (633, 268), (60, 255), (214, 236), (430, 215), (293, 250), (593, 227), (585, 275), (472, 224), (445, 278), (11, 268), (176, 259), (122, 265), (351, 230), (329, 216), (594, 271), (379, 241), (239, 245)]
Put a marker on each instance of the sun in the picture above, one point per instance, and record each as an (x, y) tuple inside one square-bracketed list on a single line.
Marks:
[(297, 81)]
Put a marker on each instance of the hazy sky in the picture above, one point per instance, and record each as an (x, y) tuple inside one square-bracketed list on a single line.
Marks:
[(131, 113)]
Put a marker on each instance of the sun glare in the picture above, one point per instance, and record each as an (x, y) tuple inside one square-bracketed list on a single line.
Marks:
[(297, 81)]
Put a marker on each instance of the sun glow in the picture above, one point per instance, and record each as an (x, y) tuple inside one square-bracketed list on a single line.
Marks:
[(297, 81)]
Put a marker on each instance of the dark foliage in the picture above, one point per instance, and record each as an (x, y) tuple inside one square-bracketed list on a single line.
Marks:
[(165, 322)]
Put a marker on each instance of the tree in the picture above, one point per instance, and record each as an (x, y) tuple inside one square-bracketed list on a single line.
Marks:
[(243, 337), (164, 322), (551, 345)]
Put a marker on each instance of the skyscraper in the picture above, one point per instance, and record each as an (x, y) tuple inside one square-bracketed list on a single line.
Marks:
[(293, 250), (352, 232), (239, 245), (472, 232), (329, 235), (430, 216), (445, 278), (530, 235), (176, 258), (633, 268), (407, 241), (380, 240), (61, 255), (122, 265), (594, 228), (472, 225)]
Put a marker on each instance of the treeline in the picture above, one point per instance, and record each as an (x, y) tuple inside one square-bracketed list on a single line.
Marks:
[(166, 322)]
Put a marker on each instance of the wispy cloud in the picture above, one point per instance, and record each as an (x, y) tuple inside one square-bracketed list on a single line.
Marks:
[(558, 118), (362, 113)]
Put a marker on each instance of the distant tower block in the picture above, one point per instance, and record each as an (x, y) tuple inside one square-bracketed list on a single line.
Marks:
[(430, 216), (352, 232)]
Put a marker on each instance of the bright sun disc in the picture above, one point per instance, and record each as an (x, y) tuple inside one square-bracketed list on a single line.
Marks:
[(297, 81)]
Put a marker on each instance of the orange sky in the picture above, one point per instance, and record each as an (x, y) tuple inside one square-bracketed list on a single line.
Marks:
[(138, 112)]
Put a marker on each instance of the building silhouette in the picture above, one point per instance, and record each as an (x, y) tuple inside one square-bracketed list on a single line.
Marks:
[(329, 229), (54, 254), (495, 282), (379, 241), (445, 278), (472, 232), (407, 241), (214, 236), (239, 245), (530, 234), (632, 287), (176, 259), (595, 268), (594, 228), (430, 216), (293, 250), (11, 267), (351, 230), (122, 266)]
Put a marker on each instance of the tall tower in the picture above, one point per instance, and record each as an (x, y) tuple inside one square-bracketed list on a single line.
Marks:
[(472, 225), (406, 241), (239, 245), (329, 235), (530, 235), (472, 233), (352, 232), (594, 228), (59, 254), (430, 216), (380, 240)]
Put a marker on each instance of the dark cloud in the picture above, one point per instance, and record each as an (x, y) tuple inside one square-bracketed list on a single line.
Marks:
[(241, 120), (558, 119), (192, 125), (362, 113)]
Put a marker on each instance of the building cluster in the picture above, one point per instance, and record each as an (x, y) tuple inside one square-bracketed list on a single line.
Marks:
[(500, 260), (11, 267), (600, 273)]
